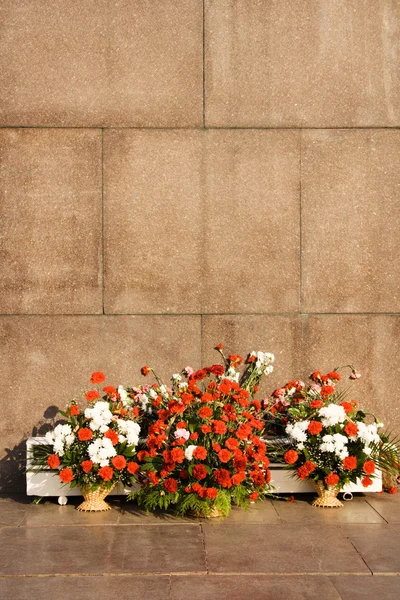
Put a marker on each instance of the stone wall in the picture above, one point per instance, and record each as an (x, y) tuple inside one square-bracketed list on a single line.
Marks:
[(176, 174)]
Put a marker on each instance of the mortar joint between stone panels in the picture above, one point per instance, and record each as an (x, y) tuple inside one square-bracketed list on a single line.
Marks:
[(204, 65), (300, 226), (204, 548), (102, 221)]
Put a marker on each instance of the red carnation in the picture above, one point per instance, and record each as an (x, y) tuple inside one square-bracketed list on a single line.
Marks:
[(85, 434), (224, 455), (393, 490), (334, 375), (110, 390), (332, 479), (132, 467), (97, 377), (106, 473), (315, 427), (193, 436), (218, 347), (206, 429), (366, 481), (112, 435), (87, 466), (207, 397), (145, 370), (217, 370), (205, 412), (290, 457), (73, 410), (219, 427), (171, 485), (177, 455), (369, 467), (92, 395), (238, 478), (216, 447), (316, 404), (351, 429), (222, 477), (327, 390), (119, 462), (243, 431), (199, 472), (240, 463), (253, 496), (348, 407), (212, 493), (53, 461), (350, 463), (231, 443), (66, 475), (183, 474), (200, 453)]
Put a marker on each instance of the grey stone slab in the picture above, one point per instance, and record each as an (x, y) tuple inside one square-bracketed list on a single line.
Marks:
[(13, 509), (367, 588), (48, 513), (387, 505), (280, 549), (379, 546), (101, 550), (85, 588), (356, 511), (259, 587)]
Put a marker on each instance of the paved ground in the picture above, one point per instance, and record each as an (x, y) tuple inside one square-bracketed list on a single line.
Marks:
[(275, 551)]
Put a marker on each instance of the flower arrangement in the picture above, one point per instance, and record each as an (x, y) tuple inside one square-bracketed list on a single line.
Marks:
[(204, 447), (95, 448), (329, 440)]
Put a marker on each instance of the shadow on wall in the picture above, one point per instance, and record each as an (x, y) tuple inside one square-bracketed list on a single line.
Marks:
[(12, 465)]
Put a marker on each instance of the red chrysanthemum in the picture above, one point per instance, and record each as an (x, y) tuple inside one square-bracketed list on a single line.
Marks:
[(290, 457), (350, 463), (85, 434), (314, 427), (106, 473), (87, 466), (53, 461), (200, 453), (171, 485), (66, 475), (119, 462), (199, 472), (369, 467), (332, 479), (97, 377)]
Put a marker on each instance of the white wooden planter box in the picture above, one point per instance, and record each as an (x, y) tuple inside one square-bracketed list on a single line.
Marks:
[(48, 484), (45, 484)]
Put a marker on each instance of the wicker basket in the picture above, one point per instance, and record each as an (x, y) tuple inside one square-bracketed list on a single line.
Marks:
[(213, 514), (94, 499), (327, 496)]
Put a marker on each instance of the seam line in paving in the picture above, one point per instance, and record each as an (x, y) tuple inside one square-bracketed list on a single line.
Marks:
[(377, 512), (202, 573), (214, 314), (200, 128), (203, 537), (102, 221)]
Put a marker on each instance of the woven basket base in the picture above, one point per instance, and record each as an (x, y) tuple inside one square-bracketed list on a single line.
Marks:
[(213, 514), (94, 499), (327, 497)]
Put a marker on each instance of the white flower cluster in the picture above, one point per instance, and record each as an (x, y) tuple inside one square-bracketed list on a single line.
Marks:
[(336, 443), (101, 450), (232, 374), (298, 431), (369, 435), (129, 430), (100, 416), (60, 438), (123, 394), (333, 414), (189, 452), (263, 361)]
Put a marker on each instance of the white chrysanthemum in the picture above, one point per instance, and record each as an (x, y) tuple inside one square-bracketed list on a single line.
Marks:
[(182, 433), (100, 450), (298, 431), (189, 452), (333, 414), (368, 433), (100, 416), (131, 430)]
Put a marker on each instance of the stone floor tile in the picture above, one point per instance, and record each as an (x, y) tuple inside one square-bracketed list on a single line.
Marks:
[(85, 588), (260, 587), (13, 509), (378, 545), (49, 512), (131, 514), (280, 549), (367, 588), (260, 512), (387, 505), (101, 550), (356, 511)]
